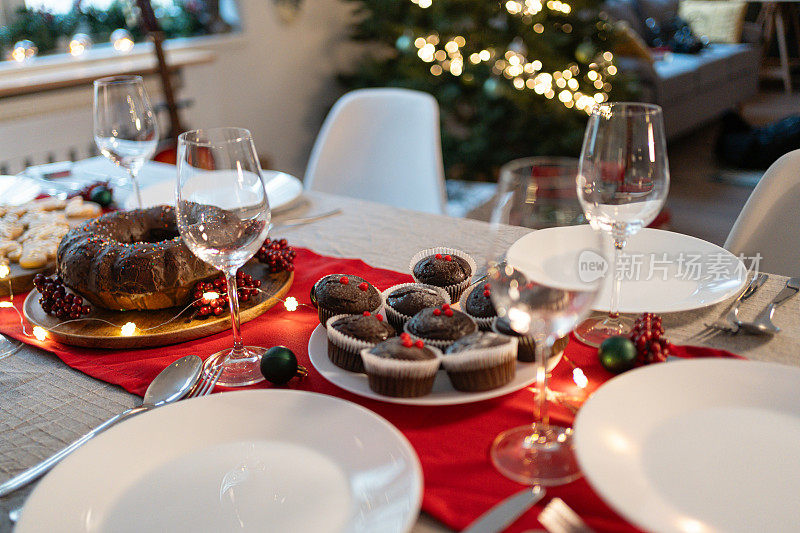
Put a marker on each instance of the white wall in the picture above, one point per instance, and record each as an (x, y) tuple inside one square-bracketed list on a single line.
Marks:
[(279, 82), (275, 79)]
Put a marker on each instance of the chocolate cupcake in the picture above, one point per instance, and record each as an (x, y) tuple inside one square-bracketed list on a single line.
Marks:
[(344, 294), (448, 268), (476, 301), (349, 334), (481, 361), (526, 350), (403, 301), (440, 326), (401, 367)]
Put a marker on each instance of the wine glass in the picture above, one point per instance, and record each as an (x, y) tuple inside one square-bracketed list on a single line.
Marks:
[(223, 217), (543, 285), (622, 185), (125, 127)]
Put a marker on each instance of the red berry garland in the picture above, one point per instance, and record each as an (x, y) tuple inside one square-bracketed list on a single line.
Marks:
[(55, 299), (246, 287), (277, 254), (647, 337)]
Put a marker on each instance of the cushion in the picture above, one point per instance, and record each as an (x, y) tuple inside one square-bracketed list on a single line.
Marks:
[(719, 20)]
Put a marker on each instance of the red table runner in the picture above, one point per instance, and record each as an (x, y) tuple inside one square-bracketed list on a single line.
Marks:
[(452, 441)]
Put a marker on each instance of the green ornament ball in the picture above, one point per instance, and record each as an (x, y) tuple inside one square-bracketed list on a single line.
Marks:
[(278, 365), (585, 52), (617, 354), (101, 195)]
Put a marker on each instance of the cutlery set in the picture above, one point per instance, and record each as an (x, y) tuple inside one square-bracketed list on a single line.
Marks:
[(762, 324)]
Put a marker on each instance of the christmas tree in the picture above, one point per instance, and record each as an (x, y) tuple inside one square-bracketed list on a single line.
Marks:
[(513, 78)]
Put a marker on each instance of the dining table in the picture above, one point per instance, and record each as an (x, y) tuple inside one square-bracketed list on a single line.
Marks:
[(45, 404)]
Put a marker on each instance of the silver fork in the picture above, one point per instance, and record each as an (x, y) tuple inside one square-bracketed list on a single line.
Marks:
[(206, 384), (558, 517), (729, 322)]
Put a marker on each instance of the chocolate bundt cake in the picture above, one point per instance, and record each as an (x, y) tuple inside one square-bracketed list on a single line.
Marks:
[(131, 260)]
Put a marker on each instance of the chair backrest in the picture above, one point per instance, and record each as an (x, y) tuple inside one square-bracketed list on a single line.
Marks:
[(768, 224), (381, 145)]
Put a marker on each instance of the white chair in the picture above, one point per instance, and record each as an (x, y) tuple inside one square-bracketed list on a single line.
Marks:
[(768, 224), (381, 145)]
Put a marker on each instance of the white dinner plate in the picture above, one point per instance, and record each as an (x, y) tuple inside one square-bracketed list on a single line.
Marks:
[(443, 392), (258, 460), (16, 190), (696, 446), (283, 191), (662, 271)]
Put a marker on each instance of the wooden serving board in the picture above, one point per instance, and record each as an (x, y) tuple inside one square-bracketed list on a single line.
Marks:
[(100, 334), (21, 279)]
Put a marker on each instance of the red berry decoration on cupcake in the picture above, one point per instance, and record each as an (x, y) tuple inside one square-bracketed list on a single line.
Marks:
[(437, 311), (246, 288), (277, 255), (419, 344), (448, 258), (364, 286), (647, 337), (344, 280), (55, 299)]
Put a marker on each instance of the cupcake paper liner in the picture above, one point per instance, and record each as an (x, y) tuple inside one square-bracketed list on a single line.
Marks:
[(453, 290), (398, 377), (484, 324), (397, 319), (344, 350), (482, 369)]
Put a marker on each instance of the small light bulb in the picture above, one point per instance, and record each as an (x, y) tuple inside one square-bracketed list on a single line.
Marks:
[(6, 304), (291, 303), (40, 333), (579, 378), (128, 329), (4, 270), (210, 295)]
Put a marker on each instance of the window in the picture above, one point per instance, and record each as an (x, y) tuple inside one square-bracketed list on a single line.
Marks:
[(50, 24)]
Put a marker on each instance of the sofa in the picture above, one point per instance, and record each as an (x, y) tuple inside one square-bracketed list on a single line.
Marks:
[(693, 89)]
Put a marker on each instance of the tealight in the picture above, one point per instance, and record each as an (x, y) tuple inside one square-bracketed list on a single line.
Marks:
[(122, 40), (23, 51), (79, 43)]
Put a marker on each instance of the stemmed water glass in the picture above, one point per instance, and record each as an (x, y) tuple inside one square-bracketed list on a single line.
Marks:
[(223, 217), (543, 285), (623, 182), (125, 127)]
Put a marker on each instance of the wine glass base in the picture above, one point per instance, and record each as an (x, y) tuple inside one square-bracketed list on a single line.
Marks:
[(240, 371), (536, 454), (8, 346), (597, 328)]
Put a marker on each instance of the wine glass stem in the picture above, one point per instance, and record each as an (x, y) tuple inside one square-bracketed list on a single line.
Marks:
[(543, 349), (619, 244), (233, 301), (133, 173)]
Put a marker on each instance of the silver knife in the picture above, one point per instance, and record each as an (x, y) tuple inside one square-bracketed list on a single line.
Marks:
[(507, 511)]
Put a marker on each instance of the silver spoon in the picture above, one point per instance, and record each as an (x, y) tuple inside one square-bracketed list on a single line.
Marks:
[(762, 325), (170, 385)]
